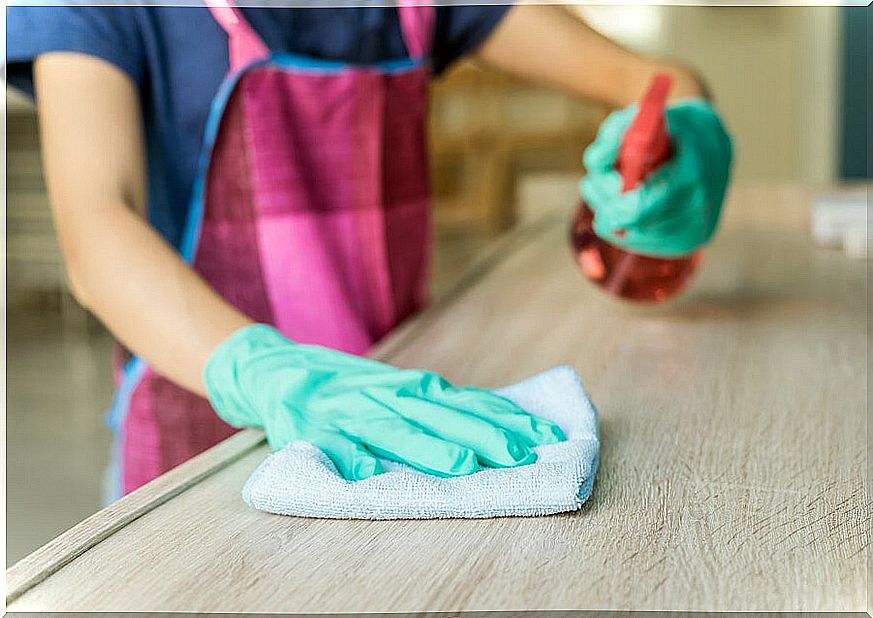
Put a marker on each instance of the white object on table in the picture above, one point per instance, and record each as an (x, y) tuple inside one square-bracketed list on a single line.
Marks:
[(835, 216), (855, 243)]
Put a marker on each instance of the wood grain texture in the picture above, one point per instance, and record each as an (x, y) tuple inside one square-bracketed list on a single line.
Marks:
[(733, 466)]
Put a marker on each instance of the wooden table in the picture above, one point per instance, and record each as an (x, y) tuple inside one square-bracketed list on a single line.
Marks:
[(733, 466)]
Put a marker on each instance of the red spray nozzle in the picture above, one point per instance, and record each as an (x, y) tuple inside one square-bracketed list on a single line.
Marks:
[(646, 144)]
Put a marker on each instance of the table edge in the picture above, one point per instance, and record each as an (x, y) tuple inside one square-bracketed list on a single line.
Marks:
[(63, 549)]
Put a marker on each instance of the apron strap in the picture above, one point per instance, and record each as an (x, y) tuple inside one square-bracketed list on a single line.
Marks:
[(244, 44), (417, 24)]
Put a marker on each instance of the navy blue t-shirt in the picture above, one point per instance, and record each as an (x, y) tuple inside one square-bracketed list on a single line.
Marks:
[(177, 56)]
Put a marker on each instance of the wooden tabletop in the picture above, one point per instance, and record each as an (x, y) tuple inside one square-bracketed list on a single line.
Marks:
[(733, 465)]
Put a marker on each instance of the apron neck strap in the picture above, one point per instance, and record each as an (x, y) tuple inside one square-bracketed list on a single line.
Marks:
[(417, 24), (244, 44)]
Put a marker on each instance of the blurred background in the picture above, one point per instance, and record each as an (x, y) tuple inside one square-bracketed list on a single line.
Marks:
[(791, 83)]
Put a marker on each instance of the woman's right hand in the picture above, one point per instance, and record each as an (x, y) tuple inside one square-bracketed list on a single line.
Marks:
[(356, 409)]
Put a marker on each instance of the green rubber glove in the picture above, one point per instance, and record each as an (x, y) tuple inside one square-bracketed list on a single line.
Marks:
[(676, 209), (355, 409)]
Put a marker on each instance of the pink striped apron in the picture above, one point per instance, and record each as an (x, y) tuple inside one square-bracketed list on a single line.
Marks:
[(310, 212)]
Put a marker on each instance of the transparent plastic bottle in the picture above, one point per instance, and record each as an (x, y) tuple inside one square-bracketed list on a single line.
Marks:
[(645, 147)]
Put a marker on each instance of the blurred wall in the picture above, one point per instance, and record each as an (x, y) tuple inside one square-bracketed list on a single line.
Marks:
[(773, 70)]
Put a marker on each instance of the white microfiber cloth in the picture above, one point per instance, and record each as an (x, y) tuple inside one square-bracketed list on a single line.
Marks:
[(300, 480)]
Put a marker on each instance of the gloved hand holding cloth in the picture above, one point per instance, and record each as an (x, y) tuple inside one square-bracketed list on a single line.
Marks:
[(676, 209), (357, 410)]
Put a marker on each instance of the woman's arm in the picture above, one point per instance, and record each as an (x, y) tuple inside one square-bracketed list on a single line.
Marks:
[(117, 266), (549, 45)]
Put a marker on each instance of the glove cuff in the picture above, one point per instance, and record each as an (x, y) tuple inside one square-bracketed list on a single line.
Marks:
[(222, 373), (690, 102)]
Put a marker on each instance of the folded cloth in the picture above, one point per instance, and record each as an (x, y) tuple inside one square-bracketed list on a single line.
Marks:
[(301, 480)]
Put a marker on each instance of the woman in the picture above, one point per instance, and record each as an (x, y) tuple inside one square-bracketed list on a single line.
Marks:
[(241, 197)]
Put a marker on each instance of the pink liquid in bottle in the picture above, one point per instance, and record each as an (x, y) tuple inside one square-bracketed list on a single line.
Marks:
[(645, 147)]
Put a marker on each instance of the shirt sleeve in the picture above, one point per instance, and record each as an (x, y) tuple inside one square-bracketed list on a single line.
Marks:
[(109, 33), (461, 29)]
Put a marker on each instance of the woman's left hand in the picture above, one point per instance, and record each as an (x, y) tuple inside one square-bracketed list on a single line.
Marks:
[(676, 209)]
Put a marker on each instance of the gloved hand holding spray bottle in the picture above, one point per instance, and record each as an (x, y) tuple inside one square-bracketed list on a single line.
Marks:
[(653, 194)]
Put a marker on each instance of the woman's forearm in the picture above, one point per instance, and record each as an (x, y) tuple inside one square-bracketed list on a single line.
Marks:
[(117, 265), (548, 45), (152, 301)]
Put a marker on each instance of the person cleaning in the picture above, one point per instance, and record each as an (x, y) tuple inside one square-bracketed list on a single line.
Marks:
[(241, 197)]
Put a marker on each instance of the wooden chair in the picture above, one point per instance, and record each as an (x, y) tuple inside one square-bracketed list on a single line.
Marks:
[(486, 130)]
